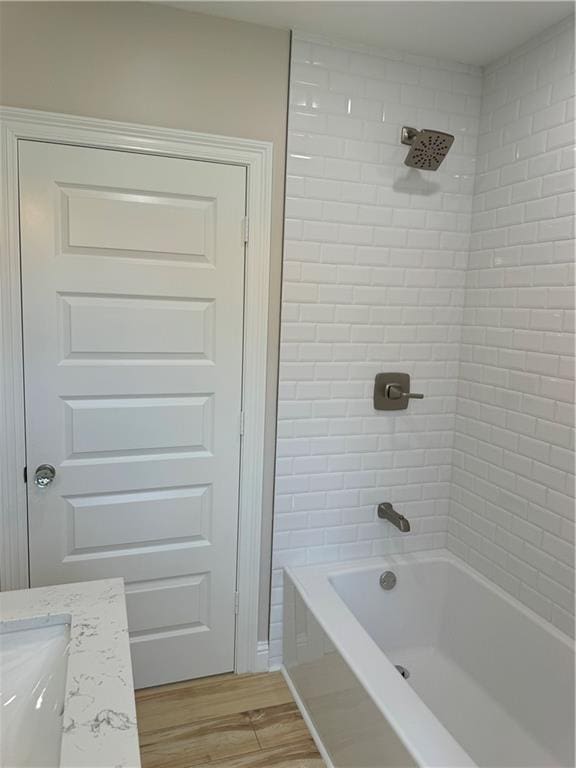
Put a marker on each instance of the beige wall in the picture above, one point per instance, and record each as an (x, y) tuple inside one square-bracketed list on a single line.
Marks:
[(146, 63)]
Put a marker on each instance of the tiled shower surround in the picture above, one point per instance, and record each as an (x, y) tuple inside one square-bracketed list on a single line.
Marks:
[(513, 461), (374, 276), (381, 274)]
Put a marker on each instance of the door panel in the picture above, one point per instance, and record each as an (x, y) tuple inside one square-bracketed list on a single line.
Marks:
[(117, 222), (101, 426), (105, 328), (112, 521), (132, 273)]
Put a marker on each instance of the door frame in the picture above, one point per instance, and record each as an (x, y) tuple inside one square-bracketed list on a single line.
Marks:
[(256, 156)]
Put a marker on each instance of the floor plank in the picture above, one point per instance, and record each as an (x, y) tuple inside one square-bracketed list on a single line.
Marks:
[(181, 703), (297, 756), (200, 742), (228, 721), (278, 725)]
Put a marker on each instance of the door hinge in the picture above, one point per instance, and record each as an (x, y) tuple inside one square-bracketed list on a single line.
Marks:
[(241, 422), (245, 229), (236, 602), (25, 474)]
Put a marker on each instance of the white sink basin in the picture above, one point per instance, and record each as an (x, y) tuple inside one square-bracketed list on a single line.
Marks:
[(33, 664), (67, 693)]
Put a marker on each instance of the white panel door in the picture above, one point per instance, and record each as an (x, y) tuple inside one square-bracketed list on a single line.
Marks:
[(133, 283)]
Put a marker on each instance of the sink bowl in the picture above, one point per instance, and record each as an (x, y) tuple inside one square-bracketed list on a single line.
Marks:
[(33, 665), (67, 692)]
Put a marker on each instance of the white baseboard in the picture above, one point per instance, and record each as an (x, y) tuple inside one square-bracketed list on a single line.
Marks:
[(306, 717)]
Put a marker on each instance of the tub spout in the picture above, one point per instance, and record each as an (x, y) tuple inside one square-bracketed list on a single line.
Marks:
[(387, 512)]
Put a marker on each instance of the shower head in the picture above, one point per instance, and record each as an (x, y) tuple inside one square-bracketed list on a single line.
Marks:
[(427, 148)]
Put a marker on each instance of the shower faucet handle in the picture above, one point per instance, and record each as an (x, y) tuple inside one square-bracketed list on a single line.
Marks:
[(392, 392), (395, 392)]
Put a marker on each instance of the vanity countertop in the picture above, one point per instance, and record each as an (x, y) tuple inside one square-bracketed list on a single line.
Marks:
[(99, 723)]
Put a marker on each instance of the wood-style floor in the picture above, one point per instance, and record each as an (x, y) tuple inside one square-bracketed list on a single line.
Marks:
[(229, 721)]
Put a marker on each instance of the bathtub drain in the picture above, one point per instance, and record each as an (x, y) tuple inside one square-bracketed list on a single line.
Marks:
[(403, 671)]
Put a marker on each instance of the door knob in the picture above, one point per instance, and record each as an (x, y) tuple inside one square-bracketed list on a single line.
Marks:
[(44, 475)]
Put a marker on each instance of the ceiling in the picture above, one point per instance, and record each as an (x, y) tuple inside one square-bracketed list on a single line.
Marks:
[(461, 30)]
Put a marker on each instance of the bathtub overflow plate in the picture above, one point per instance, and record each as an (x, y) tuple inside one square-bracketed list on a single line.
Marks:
[(388, 580)]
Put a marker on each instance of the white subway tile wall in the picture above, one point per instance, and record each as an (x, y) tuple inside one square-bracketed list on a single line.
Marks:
[(512, 515), (374, 276)]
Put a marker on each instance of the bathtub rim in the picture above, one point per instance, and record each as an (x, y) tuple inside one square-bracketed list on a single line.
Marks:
[(422, 734)]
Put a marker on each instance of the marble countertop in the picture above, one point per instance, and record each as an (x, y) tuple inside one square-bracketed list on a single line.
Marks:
[(99, 724)]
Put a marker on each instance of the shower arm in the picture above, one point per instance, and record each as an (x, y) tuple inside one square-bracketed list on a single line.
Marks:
[(408, 135)]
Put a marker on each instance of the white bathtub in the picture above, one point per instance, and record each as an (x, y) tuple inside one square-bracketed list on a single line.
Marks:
[(490, 684)]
